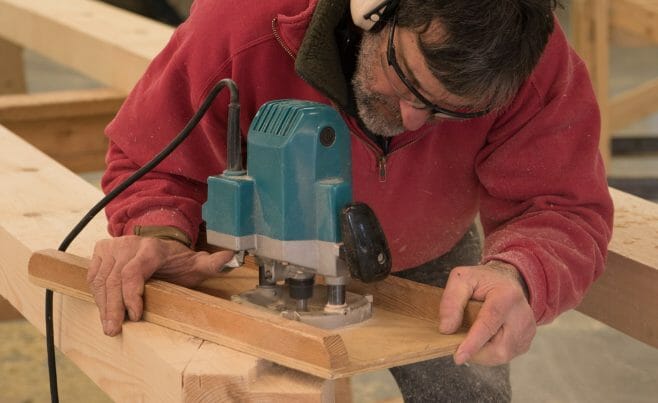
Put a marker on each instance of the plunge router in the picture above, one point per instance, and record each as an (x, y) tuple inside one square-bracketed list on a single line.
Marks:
[(292, 209)]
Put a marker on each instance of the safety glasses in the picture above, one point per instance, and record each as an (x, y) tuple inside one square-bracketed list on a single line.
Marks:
[(396, 76)]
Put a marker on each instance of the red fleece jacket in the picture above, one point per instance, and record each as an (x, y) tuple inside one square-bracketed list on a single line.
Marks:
[(533, 170)]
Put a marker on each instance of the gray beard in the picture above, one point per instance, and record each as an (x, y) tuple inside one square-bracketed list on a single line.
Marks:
[(380, 114)]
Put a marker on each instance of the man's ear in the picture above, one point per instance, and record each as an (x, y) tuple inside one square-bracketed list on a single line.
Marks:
[(372, 14)]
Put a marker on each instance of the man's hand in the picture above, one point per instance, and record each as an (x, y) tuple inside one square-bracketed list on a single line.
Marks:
[(505, 325), (120, 267)]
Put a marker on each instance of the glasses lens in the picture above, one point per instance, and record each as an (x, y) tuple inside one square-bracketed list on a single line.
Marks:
[(407, 92), (398, 86)]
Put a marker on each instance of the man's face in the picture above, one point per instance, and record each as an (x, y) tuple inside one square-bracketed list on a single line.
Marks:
[(384, 103)]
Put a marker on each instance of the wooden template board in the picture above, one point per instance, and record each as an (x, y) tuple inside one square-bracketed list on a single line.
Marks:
[(41, 202)]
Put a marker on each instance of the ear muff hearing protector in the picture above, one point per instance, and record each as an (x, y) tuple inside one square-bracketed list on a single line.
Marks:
[(372, 14)]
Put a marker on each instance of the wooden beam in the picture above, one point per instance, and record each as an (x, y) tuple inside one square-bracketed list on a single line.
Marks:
[(12, 74), (42, 201), (634, 104), (108, 44), (625, 295), (639, 17), (66, 125)]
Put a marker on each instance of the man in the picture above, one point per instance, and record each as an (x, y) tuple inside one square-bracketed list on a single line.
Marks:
[(454, 107)]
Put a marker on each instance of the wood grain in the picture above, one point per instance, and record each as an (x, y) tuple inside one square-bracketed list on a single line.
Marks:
[(388, 339), (149, 363), (66, 125), (103, 42), (625, 295)]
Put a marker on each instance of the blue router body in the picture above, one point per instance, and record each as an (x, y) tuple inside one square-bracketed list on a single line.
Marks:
[(287, 205)]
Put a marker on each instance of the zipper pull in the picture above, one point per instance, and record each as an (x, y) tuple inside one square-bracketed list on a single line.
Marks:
[(381, 164)]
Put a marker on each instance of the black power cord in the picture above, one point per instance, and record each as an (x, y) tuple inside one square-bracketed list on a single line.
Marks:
[(233, 132)]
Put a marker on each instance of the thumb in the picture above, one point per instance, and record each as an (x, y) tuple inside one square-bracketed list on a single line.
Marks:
[(211, 264)]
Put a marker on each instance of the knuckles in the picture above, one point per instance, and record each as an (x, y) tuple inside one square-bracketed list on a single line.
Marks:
[(460, 274)]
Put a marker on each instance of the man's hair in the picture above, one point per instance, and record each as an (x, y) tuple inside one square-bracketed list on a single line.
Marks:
[(488, 47)]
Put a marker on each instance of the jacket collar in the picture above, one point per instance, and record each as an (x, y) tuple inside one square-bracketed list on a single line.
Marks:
[(317, 58)]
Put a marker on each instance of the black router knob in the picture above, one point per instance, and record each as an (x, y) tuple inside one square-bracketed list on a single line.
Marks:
[(364, 244)]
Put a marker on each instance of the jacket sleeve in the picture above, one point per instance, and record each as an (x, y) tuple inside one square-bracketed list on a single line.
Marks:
[(165, 98), (160, 198), (220, 39), (545, 205)]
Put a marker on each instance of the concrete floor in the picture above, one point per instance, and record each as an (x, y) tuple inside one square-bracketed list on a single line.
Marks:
[(574, 359)]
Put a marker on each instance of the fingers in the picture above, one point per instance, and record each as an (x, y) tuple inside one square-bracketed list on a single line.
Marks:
[(97, 275), (504, 346), (104, 279), (116, 281), (132, 289), (512, 339), (120, 267), (115, 311), (190, 268), (456, 295), (487, 324), (212, 264), (505, 324)]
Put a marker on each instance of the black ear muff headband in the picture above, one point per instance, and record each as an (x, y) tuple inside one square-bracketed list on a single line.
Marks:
[(373, 17)]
